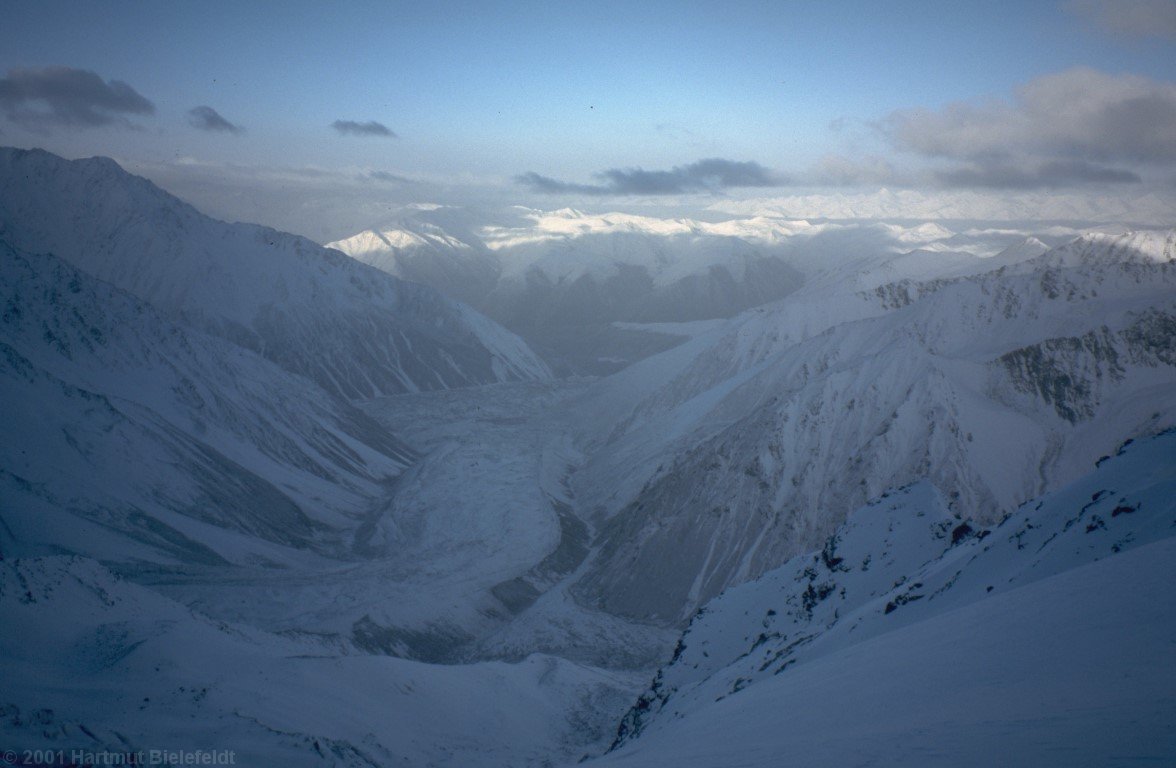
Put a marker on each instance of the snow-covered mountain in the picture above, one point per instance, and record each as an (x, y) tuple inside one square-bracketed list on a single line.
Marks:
[(565, 279), (751, 442), (353, 329), (424, 252), (912, 637), (355, 522), (596, 292), (135, 440)]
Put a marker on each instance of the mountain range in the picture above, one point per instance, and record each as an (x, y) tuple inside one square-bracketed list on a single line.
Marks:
[(691, 491)]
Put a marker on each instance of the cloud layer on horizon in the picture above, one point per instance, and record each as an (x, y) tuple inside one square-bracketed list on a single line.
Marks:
[(206, 118), (369, 128), (64, 97), (709, 175), (1053, 173)]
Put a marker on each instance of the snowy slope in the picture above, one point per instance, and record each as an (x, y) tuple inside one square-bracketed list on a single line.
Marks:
[(752, 442), (353, 329), (913, 638), (130, 438), (103, 665)]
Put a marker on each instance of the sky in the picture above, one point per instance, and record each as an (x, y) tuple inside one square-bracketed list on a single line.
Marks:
[(324, 118)]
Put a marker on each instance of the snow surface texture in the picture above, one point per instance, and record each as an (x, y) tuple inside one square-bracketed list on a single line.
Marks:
[(353, 329), (913, 638)]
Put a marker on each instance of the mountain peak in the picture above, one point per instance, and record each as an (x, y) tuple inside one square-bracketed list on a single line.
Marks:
[(355, 330)]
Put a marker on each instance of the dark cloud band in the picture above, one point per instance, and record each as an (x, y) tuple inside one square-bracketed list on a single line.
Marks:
[(370, 128), (208, 119), (708, 175), (70, 98), (1056, 173)]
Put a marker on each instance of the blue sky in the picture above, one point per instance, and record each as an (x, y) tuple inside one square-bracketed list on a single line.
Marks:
[(478, 94)]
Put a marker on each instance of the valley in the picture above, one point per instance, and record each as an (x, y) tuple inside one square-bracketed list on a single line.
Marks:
[(343, 518)]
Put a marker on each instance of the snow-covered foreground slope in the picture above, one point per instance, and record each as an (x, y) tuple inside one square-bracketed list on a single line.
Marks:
[(132, 439), (353, 329), (750, 443), (94, 663), (914, 638)]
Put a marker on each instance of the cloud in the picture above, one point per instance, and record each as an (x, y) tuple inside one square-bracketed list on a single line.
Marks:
[(1054, 173), (548, 185), (1080, 113), (390, 178), (370, 128), (708, 175), (1079, 126), (1129, 18), (68, 98), (208, 119)]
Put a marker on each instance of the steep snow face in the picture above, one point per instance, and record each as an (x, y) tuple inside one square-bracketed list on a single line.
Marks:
[(912, 637), (133, 439), (752, 442), (356, 331)]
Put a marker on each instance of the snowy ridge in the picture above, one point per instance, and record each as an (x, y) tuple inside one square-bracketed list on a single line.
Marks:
[(590, 290), (122, 424), (353, 329), (905, 567), (755, 439), (563, 279), (423, 252)]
